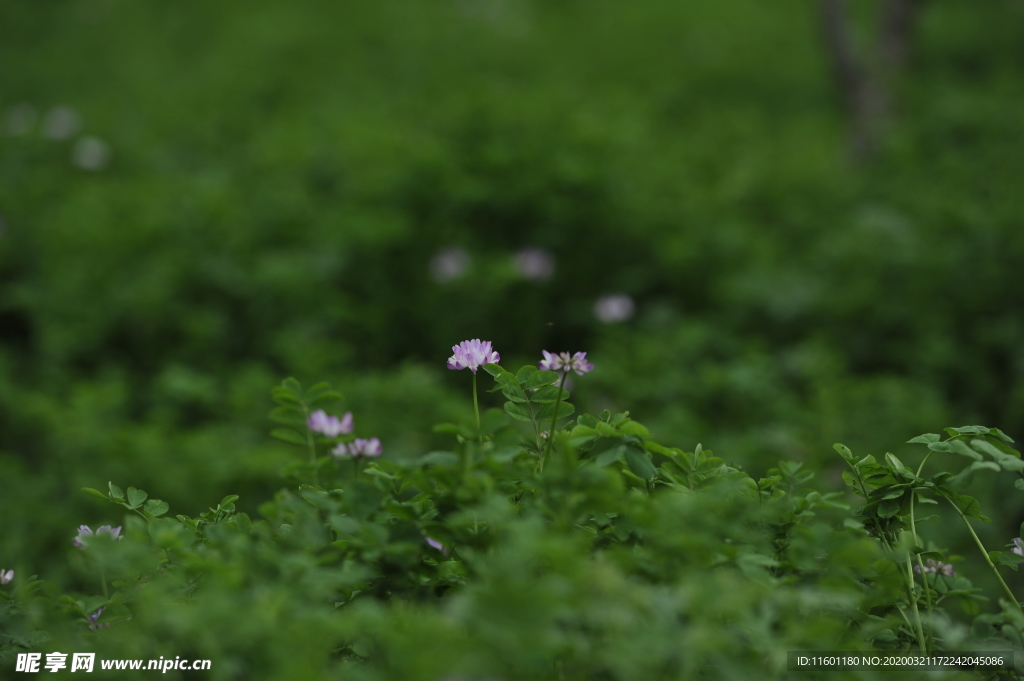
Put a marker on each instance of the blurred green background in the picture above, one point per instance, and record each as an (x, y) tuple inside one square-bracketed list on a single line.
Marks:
[(198, 199)]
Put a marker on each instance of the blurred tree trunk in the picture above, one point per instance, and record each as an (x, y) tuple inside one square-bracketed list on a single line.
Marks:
[(867, 78)]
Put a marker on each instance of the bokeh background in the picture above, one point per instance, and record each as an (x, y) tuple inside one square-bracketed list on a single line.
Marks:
[(766, 242)]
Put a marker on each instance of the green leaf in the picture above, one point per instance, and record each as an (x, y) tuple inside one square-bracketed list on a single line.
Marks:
[(961, 448), (547, 411), (660, 449), (634, 428), (790, 468), (867, 462), (283, 396), (115, 491), (316, 391), (518, 412), (896, 492), (583, 431), (888, 508), (851, 481), (156, 507), (939, 446), (1000, 434), (292, 416), (95, 493), (511, 389), (227, 501), (607, 430), (525, 372), (844, 452), (640, 464), (925, 439), (971, 430), (549, 394), (587, 420), (539, 379), (288, 435), (581, 435), (988, 465), (897, 465), (292, 386), (136, 497), (1007, 461), (243, 523), (495, 370), (609, 455), (969, 506)]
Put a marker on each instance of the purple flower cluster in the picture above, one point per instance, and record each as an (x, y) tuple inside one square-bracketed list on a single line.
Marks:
[(84, 531), (1018, 548), (331, 426), (936, 566), (563, 362), (359, 447), (472, 354)]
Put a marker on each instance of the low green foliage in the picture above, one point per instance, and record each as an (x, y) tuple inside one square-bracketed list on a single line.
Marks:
[(589, 551)]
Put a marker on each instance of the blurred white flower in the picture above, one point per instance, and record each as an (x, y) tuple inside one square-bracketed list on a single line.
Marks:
[(449, 263), (21, 118), (535, 264), (6, 577), (91, 153), (60, 123), (616, 307)]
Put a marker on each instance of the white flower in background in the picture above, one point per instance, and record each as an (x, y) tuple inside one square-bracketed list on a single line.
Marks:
[(20, 119), (617, 307), (60, 123), (535, 264), (90, 153), (449, 264), (6, 577)]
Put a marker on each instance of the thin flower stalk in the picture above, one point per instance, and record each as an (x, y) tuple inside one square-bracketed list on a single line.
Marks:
[(473, 354), (988, 560)]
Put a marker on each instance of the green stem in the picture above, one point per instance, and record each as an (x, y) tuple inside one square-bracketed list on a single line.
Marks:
[(913, 605), (921, 467), (476, 410), (554, 419), (913, 531), (103, 578), (991, 565), (913, 525), (909, 577), (312, 447)]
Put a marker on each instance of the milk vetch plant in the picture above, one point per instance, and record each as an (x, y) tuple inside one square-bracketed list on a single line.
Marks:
[(536, 543)]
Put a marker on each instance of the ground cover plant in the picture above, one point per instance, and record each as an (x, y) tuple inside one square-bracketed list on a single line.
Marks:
[(200, 198), (263, 190), (541, 544)]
